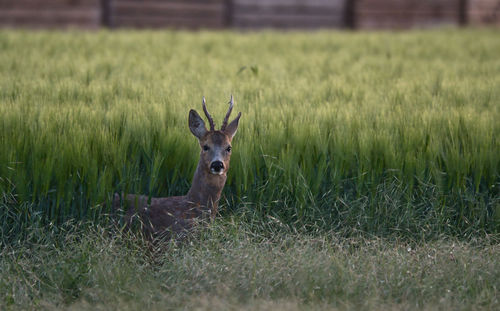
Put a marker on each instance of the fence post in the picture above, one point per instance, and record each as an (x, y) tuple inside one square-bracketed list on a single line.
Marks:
[(228, 11), (350, 14), (462, 14), (106, 19)]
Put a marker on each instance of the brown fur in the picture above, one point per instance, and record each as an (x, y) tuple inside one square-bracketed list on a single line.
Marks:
[(162, 216)]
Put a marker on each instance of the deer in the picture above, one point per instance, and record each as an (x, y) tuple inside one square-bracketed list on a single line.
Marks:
[(177, 215)]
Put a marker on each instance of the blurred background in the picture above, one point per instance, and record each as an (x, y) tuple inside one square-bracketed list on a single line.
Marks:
[(248, 14)]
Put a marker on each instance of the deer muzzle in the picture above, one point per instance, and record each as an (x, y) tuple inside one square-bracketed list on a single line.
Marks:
[(217, 167)]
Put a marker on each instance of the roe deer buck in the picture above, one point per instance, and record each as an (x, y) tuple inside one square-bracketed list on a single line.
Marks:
[(180, 213)]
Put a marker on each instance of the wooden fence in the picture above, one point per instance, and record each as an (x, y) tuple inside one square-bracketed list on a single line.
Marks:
[(484, 12), (288, 13), (50, 13), (245, 14), (167, 13), (408, 13)]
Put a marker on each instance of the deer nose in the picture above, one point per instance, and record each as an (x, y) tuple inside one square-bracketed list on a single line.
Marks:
[(216, 166)]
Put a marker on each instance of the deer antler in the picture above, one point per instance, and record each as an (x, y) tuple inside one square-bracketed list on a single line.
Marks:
[(209, 117), (226, 119)]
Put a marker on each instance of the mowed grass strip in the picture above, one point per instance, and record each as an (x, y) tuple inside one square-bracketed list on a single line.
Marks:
[(381, 132)]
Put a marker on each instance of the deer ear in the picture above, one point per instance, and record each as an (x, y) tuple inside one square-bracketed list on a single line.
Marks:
[(232, 127), (196, 124)]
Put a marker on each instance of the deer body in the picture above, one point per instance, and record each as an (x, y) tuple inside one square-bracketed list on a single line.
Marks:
[(181, 213)]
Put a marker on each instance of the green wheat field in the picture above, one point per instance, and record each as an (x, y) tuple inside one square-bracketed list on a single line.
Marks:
[(365, 172)]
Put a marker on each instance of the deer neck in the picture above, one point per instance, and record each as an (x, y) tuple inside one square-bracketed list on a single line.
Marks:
[(206, 188)]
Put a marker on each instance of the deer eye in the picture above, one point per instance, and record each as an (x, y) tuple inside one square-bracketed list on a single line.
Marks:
[(206, 148), (228, 149)]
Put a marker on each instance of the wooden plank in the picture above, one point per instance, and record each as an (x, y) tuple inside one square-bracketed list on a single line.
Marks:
[(130, 9), (279, 10), (406, 4), (48, 4), (201, 7), (147, 12), (402, 21), (43, 18), (321, 3), (171, 22), (408, 14), (173, 2), (286, 21)]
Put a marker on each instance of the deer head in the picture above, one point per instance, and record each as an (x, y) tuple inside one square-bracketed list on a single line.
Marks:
[(215, 144)]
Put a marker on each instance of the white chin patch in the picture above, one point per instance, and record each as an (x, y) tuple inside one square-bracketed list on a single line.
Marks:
[(216, 172)]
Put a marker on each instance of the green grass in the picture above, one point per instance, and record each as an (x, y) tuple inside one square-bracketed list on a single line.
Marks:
[(384, 132), (365, 172), (234, 267)]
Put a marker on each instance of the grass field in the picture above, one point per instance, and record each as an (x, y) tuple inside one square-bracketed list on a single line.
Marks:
[(231, 267), (352, 149)]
